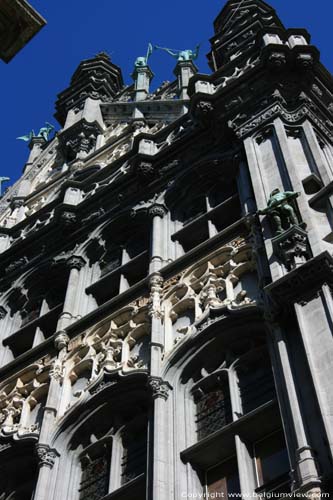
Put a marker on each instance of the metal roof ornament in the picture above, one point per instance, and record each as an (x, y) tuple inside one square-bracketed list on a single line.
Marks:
[(182, 55), (143, 61), (44, 132)]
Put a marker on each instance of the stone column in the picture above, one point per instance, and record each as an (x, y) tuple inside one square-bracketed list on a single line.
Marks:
[(75, 264), (46, 454), (315, 320), (156, 317), (157, 213), (245, 189), (184, 72), (5, 325), (35, 146), (46, 457), (159, 434), (303, 456), (158, 421), (142, 76)]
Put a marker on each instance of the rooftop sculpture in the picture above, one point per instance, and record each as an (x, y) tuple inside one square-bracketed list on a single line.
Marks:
[(143, 60), (2, 180), (182, 55), (44, 132)]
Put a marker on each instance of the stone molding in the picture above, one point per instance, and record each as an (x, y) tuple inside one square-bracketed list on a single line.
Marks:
[(46, 455), (159, 388)]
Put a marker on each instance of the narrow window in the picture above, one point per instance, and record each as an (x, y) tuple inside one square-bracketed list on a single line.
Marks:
[(213, 410), (95, 472), (222, 481), (272, 463), (135, 453)]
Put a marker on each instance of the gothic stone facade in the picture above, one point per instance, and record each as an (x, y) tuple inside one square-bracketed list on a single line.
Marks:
[(160, 339)]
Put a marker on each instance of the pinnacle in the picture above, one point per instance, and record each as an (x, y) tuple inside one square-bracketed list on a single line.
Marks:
[(234, 10)]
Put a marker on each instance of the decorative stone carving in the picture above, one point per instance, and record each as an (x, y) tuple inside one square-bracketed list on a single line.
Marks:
[(76, 262), (204, 111), (3, 312), (264, 135), (304, 283), (23, 391), (317, 90), (156, 284), (61, 340), (16, 265), (214, 283), (243, 127), (277, 59), (80, 138), (292, 247), (305, 60), (157, 211), (68, 218), (159, 388), (93, 216), (46, 455), (16, 202), (102, 386), (57, 371), (145, 170)]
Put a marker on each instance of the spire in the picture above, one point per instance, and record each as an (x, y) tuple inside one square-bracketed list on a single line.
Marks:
[(97, 78), (237, 26)]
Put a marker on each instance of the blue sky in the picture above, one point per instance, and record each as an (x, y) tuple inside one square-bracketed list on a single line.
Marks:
[(78, 29)]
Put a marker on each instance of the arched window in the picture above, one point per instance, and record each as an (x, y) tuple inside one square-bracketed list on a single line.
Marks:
[(134, 458), (124, 256), (235, 413), (35, 308), (213, 404), (95, 466)]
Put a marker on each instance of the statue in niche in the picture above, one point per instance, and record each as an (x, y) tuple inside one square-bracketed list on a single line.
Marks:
[(182, 55), (280, 211)]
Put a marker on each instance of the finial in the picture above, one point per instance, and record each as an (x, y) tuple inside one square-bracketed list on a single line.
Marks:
[(103, 54)]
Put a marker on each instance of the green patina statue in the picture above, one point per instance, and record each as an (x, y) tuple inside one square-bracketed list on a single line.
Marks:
[(182, 55), (2, 180), (280, 211), (44, 132), (143, 61)]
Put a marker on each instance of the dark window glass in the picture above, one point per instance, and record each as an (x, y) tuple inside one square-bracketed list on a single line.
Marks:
[(135, 455), (95, 476), (256, 386), (213, 411), (272, 461), (194, 209), (223, 480)]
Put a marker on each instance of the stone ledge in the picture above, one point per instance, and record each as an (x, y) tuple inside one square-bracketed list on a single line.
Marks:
[(302, 283)]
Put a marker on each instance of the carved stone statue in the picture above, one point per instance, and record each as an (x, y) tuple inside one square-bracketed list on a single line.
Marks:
[(182, 55), (280, 211)]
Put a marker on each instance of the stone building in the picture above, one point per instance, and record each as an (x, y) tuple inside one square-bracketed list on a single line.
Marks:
[(166, 271), (19, 22)]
